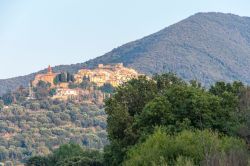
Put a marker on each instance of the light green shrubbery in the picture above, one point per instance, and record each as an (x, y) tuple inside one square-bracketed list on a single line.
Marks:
[(185, 148)]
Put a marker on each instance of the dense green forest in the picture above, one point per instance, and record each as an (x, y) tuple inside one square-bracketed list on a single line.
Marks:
[(167, 121)]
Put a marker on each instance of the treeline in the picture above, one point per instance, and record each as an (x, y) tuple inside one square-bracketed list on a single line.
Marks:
[(69, 154), (167, 121), (64, 77)]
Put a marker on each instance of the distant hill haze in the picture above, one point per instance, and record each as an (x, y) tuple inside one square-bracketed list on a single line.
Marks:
[(207, 47)]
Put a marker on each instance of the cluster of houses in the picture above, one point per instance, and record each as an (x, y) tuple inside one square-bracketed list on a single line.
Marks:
[(114, 74)]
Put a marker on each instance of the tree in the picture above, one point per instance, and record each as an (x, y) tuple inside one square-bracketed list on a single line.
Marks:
[(35, 106), (42, 90), (88, 158), (244, 113), (57, 79), (72, 85), (236, 95), (107, 88), (70, 77), (201, 108), (141, 104), (85, 85), (69, 155), (45, 104), (63, 77), (185, 107), (127, 103), (52, 92), (1, 104), (42, 84), (156, 112), (220, 87), (3, 153), (244, 99), (66, 151), (8, 98), (37, 161), (166, 80), (187, 147)]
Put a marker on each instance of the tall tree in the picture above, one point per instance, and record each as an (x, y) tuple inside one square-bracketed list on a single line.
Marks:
[(142, 104)]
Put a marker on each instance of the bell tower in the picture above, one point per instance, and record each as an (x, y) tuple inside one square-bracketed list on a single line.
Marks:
[(49, 70)]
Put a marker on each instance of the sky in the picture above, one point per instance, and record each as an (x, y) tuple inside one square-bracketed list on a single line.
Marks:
[(38, 33)]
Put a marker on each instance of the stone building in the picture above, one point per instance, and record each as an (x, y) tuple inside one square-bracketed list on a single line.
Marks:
[(47, 77), (113, 74), (65, 93)]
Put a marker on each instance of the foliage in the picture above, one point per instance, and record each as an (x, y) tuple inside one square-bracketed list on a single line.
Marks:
[(196, 124), (37, 161), (72, 85), (184, 148), (64, 77), (221, 87), (42, 90), (128, 101), (1, 104), (8, 98), (36, 127), (52, 92), (107, 88), (42, 84), (69, 155), (166, 80), (141, 104), (85, 84), (241, 98)]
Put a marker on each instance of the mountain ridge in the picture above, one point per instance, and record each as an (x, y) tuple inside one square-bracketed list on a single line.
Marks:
[(207, 47)]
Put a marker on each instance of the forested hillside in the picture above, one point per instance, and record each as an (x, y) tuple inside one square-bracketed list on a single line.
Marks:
[(38, 127), (167, 121), (197, 126), (206, 46), (39, 124)]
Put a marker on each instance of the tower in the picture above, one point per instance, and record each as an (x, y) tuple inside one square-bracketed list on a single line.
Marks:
[(49, 70)]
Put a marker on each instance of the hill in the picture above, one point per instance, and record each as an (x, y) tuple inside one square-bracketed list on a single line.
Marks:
[(38, 127), (206, 46)]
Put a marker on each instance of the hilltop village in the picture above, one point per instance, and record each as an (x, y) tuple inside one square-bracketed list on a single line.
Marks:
[(58, 107), (85, 84)]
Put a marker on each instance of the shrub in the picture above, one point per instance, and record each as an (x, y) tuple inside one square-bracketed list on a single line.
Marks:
[(194, 146)]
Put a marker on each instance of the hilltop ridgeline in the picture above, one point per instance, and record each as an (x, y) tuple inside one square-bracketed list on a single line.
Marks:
[(64, 86), (207, 47), (87, 85)]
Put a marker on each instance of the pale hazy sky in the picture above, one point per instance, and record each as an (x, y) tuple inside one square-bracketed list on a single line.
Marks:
[(35, 33)]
